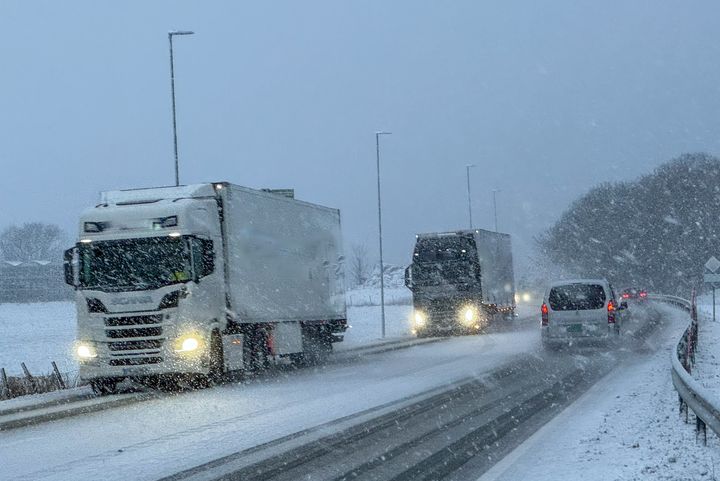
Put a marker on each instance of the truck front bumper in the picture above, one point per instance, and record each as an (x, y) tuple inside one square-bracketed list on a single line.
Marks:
[(166, 361)]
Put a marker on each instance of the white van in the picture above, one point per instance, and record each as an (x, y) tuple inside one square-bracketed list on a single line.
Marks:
[(580, 310)]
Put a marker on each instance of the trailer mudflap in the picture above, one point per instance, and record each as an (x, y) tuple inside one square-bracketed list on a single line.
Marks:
[(286, 338), (233, 351)]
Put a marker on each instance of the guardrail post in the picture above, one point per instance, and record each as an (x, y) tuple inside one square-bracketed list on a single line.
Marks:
[(700, 427), (683, 406)]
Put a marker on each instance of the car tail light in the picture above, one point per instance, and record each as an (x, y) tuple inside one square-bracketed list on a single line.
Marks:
[(611, 312), (544, 312), (626, 296), (643, 294)]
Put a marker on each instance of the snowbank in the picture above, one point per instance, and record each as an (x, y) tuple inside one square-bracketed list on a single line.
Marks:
[(707, 358)]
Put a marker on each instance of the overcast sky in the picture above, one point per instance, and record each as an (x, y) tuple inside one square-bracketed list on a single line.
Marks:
[(547, 99)]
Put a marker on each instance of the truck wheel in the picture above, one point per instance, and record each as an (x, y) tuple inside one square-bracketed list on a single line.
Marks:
[(217, 359), (317, 346), (215, 363), (104, 387), (255, 351)]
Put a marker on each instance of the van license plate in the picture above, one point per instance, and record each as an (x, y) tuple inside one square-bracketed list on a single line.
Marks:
[(574, 328)]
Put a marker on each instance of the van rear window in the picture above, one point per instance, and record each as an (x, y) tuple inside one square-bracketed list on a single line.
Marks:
[(577, 297)]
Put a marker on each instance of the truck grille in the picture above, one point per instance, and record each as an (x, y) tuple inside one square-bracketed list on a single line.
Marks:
[(135, 361), (125, 347), (135, 332), (133, 320), (153, 344), (444, 309)]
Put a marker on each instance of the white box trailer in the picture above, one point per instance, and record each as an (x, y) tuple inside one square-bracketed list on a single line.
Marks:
[(284, 258), (193, 281), (494, 251)]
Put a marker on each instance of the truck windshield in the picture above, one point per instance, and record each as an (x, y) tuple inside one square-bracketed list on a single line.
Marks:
[(445, 260), (438, 249), (134, 264)]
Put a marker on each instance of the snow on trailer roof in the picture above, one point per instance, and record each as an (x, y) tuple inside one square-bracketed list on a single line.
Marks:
[(566, 282), (149, 195), (459, 232)]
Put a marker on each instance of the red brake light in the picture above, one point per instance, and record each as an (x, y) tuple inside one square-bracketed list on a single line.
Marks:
[(643, 294), (611, 312), (627, 296), (544, 312)]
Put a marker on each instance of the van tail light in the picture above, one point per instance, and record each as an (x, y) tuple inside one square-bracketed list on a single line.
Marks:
[(544, 312), (611, 312)]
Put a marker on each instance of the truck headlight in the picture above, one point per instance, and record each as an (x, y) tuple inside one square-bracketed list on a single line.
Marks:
[(85, 351), (189, 343), (469, 315), (420, 318)]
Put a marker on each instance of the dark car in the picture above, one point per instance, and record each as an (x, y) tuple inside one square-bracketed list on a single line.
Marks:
[(633, 293)]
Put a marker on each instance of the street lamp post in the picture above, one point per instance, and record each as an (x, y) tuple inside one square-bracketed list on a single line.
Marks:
[(495, 191), (467, 172), (172, 90), (382, 267)]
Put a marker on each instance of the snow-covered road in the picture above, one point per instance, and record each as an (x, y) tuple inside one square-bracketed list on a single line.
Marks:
[(625, 427), (160, 437)]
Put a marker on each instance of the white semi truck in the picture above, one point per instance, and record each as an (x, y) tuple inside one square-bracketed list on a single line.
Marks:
[(188, 283)]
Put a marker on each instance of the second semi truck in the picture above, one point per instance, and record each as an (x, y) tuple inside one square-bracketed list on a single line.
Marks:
[(460, 281)]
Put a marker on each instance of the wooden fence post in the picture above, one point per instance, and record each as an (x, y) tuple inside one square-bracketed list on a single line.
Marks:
[(29, 377), (58, 377), (5, 386)]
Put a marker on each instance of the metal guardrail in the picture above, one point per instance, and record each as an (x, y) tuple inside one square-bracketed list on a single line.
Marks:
[(691, 395)]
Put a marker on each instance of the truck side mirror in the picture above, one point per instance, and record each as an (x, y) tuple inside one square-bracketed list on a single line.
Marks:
[(204, 258), (68, 266), (408, 277), (208, 257)]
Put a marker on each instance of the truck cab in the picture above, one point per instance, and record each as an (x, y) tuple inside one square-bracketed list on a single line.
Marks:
[(137, 263), (188, 283)]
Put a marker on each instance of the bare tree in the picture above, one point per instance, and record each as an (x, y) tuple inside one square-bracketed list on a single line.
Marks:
[(33, 241), (360, 265)]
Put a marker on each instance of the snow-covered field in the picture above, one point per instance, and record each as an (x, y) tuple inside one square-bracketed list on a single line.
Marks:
[(626, 427), (37, 334), (369, 296)]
